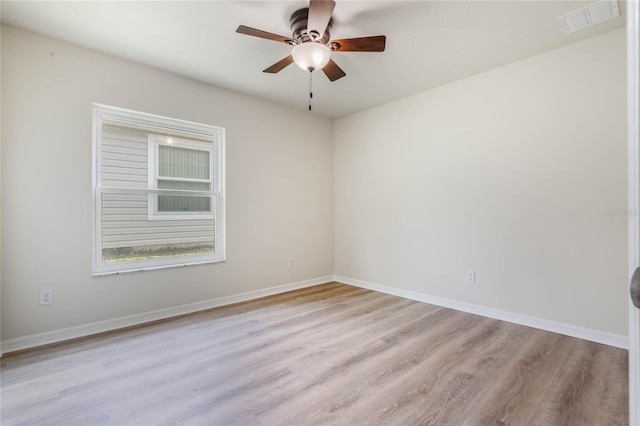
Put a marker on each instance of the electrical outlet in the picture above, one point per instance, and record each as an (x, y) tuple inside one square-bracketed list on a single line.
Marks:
[(290, 262), (46, 297), (471, 277)]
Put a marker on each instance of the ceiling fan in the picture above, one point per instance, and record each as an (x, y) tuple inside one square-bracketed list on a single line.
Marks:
[(311, 41)]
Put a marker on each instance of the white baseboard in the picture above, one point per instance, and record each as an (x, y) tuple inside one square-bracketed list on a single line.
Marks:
[(597, 336), (55, 336)]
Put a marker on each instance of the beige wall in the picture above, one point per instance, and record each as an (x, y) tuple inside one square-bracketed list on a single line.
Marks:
[(508, 173), (279, 187)]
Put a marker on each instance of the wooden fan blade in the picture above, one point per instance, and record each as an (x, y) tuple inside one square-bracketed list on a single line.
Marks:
[(262, 34), (280, 65), (319, 15), (361, 44), (333, 71)]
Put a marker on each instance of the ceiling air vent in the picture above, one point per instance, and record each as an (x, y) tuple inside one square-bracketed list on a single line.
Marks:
[(587, 16)]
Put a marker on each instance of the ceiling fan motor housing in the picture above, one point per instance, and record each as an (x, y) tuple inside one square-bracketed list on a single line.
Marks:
[(298, 22)]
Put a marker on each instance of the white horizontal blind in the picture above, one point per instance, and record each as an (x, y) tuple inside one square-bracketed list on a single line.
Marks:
[(177, 162), (186, 169), (188, 180)]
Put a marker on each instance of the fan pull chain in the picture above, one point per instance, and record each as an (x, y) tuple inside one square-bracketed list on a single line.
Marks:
[(310, 88)]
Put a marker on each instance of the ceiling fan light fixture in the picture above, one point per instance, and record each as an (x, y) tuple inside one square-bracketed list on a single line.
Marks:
[(311, 56)]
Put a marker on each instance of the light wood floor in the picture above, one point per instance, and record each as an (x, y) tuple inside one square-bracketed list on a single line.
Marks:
[(330, 354)]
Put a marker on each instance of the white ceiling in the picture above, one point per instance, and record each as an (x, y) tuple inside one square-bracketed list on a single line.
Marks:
[(429, 43)]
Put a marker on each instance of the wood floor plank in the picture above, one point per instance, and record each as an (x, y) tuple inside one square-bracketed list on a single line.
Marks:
[(409, 398), (325, 355), (525, 379), (613, 406), (574, 397)]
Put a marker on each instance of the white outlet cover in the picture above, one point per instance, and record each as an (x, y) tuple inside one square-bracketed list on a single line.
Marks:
[(46, 297)]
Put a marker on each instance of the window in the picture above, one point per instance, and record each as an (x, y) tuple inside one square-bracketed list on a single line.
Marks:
[(182, 165), (159, 191)]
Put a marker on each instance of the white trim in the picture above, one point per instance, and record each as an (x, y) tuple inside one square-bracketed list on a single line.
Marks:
[(138, 119), (610, 339), (633, 158), (96, 176), (220, 183), (194, 260), (55, 336)]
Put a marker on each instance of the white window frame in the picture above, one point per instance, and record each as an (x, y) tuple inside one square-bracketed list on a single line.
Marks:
[(155, 141), (155, 124)]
